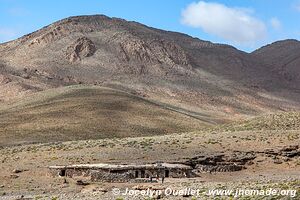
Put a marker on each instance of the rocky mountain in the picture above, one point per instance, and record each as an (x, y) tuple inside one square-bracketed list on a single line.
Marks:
[(283, 58), (201, 77)]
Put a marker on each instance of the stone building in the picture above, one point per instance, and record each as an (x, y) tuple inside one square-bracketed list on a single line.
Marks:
[(123, 173)]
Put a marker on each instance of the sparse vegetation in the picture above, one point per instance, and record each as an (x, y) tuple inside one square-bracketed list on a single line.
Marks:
[(278, 121), (87, 112)]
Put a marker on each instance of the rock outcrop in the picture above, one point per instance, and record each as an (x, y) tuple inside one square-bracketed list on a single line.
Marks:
[(153, 51), (286, 151), (81, 48), (239, 160), (221, 162)]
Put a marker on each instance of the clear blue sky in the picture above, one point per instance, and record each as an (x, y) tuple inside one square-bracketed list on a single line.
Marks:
[(216, 21)]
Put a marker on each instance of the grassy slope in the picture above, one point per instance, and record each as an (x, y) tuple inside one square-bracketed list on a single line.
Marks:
[(87, 112), (277, 121)]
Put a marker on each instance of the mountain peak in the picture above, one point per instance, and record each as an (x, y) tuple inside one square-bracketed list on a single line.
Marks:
[(288, 43), (98, 49)]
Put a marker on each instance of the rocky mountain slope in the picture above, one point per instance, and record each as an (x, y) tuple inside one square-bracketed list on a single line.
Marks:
[(164, 66), (283, 58)]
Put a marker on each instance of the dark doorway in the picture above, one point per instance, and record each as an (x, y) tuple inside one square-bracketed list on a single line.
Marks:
[(136, 174), (62, 172), (143, 174), (167, 173)]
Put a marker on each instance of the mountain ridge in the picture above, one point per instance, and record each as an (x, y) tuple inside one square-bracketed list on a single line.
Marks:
[(169, 67), (138, 23)]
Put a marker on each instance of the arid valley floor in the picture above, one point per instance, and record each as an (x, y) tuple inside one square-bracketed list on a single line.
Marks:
[(264, 171)]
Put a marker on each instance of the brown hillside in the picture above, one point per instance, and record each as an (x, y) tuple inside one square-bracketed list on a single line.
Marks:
[(160, 65)]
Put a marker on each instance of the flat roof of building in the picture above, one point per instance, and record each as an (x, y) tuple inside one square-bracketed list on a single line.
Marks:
[(122, 166)]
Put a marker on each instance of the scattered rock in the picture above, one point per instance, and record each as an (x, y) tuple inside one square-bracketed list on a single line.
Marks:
[(80, 182), (286, 159), (89, 190), (260, 160), (102, 190), (140, 187), (290, 148), (14, 176), (21, 197), (25, 76), (277, 161), (5, 80), (16, 171)]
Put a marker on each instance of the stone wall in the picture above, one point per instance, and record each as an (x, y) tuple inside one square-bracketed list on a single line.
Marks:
[(122, 175), (106, 176)]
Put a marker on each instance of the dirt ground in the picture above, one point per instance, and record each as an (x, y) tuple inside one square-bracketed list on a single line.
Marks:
[(24, 169)]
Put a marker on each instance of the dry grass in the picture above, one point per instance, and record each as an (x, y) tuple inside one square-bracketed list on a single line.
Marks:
[(278, 121), (87, 112)]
